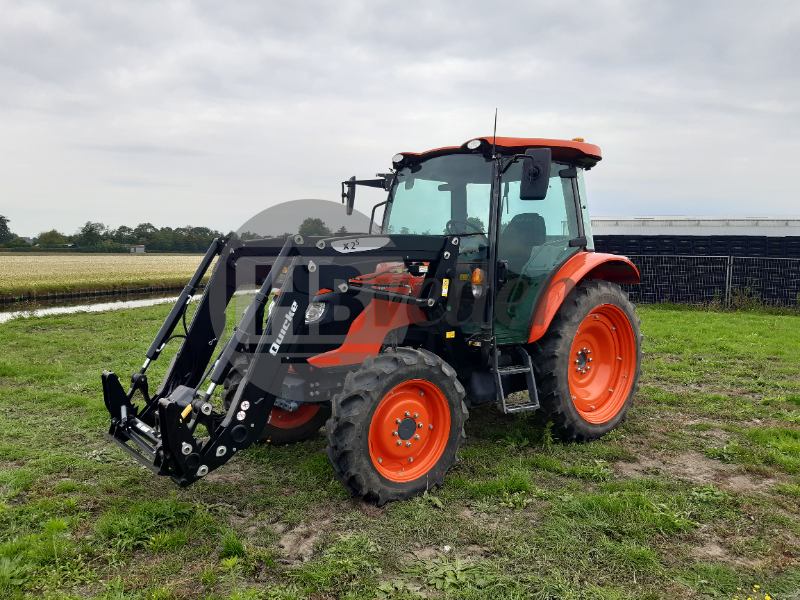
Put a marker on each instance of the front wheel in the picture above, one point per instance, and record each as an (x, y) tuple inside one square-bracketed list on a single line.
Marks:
[(397, 425), (589, 362)]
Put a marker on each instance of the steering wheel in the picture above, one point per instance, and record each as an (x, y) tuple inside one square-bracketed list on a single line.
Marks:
[(451, 231)]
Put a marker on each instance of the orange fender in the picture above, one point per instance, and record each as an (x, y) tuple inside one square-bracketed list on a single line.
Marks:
[(583, 265)]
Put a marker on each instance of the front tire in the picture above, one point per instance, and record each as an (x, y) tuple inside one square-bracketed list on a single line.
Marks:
[(396, 427), (588, 363)]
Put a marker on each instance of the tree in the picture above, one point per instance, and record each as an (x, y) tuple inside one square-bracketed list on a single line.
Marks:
[(17, 242), (5, 232), (124, 235), (342, 230), (91, 234), (51, 238), (314, 226)]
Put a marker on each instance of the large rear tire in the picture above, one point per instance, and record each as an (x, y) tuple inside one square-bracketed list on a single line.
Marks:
[(588, 363), (396, 427), (282, 427)]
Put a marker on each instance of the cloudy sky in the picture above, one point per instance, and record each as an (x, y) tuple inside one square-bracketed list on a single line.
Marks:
[(205, 112)]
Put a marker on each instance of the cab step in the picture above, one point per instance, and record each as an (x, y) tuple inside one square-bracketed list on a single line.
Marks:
[(527, 368)]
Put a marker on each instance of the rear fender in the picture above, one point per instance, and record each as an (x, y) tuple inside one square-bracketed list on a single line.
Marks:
[(584, 265)]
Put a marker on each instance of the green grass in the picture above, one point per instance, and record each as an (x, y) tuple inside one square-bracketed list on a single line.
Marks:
[(695, 496)]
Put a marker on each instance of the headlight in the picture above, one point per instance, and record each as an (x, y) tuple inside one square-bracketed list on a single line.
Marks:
[(314, 312)]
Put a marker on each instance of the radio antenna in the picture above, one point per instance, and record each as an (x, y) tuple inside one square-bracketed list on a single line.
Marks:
[(494, 136)]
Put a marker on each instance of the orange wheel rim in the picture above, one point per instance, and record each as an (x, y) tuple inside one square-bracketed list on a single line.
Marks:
[(409, 430), (602, 364), (289, 420)]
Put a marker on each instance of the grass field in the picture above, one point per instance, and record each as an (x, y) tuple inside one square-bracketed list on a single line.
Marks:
[(26, 274), (696, 496)]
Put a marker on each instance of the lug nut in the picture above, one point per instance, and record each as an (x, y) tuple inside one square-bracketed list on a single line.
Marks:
[(592, 407), (416, 415), (610, 390), (422, 393), (588, 352), (399, 443), (591, 359), (419, 425), (416, 437), (397, 421), (380, 460), (619, 358), (430, 426), (410, 459), (577, 362), (408, 414), (408, 444), (394, 433), (587, 368)]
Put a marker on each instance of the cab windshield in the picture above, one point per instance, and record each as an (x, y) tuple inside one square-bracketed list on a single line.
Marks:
[(444, 195)]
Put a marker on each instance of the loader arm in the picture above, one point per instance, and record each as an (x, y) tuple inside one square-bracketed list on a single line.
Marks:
[(163, 434)]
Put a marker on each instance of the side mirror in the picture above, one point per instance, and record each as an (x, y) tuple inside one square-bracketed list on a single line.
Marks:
[(535, 174), (349, 194)]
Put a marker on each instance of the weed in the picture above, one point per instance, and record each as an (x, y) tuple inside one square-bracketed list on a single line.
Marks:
[(231, 545), (708, 493), (451, 575), (14, 573), (232, 567), (165, 541), (515, 500), (433, 500)]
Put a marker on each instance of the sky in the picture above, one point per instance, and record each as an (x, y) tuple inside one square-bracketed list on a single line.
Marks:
[(204, 113)]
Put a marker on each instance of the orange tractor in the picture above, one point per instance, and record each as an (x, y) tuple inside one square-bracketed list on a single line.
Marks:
[(479, 281)]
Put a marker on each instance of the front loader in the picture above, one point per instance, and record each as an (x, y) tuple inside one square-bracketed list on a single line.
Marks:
[(479, 281)]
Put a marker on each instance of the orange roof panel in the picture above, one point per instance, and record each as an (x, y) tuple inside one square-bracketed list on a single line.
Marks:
[(585, 154)]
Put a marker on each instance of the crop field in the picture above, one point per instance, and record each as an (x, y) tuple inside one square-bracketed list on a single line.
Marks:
[(696, 496), (39, 273)]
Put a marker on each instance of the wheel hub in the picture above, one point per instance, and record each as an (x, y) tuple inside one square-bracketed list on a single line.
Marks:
[(406, 428)]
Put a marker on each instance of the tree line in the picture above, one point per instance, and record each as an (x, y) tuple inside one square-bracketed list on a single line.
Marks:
[(98, 237)]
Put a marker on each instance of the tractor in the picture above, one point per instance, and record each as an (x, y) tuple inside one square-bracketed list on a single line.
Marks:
[(479, 284)]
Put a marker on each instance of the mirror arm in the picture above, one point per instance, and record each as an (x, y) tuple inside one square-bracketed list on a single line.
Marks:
[(511, 161)]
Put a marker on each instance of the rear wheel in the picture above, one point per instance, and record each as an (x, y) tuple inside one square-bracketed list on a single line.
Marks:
[(283, 427), (589, 362), (397, 425)]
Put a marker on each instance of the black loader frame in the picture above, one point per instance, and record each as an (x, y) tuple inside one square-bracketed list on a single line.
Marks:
[(160, 432)]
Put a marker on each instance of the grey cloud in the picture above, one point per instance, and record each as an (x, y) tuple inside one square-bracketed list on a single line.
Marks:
[(239, 99)]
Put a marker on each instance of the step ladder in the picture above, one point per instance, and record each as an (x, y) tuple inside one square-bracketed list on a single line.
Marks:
[(527, 368)]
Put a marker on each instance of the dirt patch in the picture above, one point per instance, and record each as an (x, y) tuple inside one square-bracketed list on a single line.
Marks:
[(712, 551), (298, 544), (696, 468), (225, 478), (747, 483)]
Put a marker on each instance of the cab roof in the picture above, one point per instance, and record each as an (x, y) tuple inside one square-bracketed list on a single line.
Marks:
[(579, 152)]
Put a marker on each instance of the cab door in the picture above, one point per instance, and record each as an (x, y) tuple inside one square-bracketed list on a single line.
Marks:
[(534, 240)]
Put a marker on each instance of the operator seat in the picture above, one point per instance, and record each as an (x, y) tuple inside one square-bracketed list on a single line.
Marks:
[(517, 240)]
